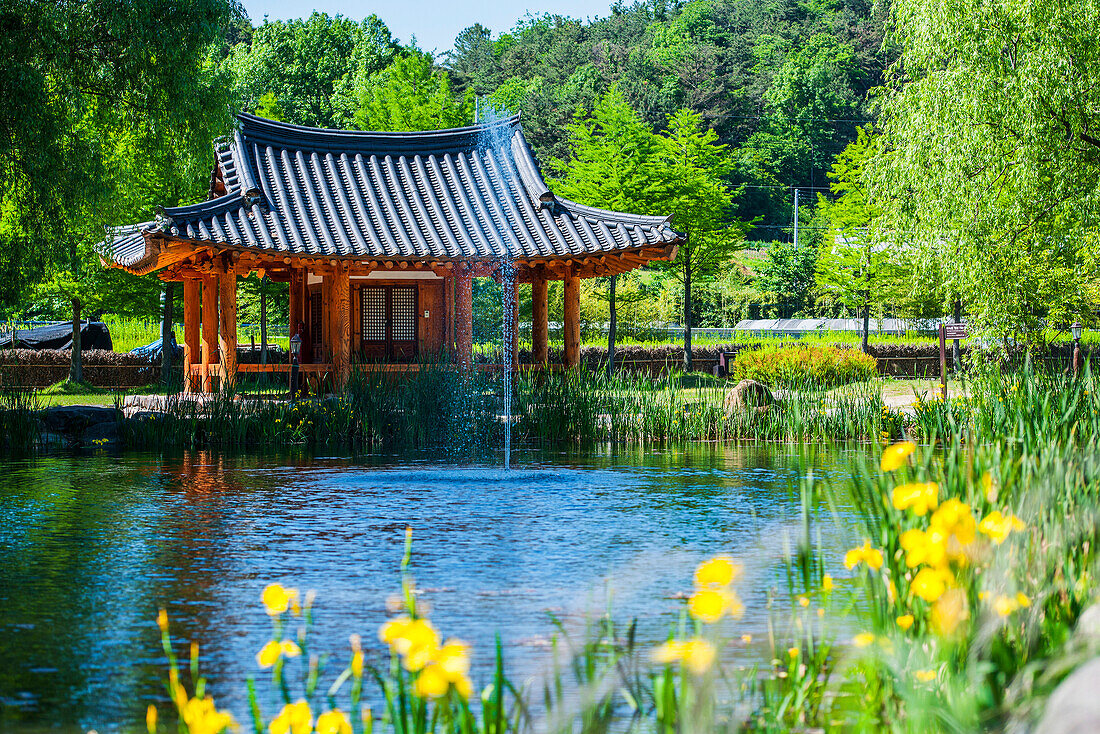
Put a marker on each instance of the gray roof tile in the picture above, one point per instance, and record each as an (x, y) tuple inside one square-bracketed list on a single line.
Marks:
[(471, 192)]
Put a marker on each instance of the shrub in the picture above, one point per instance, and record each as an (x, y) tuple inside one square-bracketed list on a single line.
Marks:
[(26, 368), (791, 366)]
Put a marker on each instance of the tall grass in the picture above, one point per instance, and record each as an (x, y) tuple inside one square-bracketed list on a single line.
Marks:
[(439, 406), (20, 432)]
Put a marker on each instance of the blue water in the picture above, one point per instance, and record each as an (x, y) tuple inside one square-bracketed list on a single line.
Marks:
[(92, 546)]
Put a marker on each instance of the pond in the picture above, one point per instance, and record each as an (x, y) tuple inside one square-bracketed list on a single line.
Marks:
[(91, 546)]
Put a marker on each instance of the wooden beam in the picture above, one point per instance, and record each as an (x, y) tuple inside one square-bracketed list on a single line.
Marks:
[(572, 336), (227, 335), (540, 320), (192, 317), (209, 330)]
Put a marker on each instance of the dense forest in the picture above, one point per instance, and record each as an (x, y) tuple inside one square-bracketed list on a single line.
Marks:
[(929, 160)]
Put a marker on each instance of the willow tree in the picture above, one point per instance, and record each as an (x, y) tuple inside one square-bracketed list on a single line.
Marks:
[(108, 108), (991, 120)]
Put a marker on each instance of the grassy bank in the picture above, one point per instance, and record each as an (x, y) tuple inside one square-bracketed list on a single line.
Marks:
[(972, 560)]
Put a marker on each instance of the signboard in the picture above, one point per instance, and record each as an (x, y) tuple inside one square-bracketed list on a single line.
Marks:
[(956, 331), (949, 331)]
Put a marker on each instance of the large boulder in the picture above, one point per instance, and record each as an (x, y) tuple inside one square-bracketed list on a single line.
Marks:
[(748, 394), (75, 419), (1074, 707)]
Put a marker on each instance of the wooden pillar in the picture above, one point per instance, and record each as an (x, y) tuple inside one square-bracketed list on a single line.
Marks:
[(307, 319), (572, 335), (227, 335), (513, 324), (341, 321), (449, 315), (326, 318), (464, 317), (191, 321), (209, 330), (540, 321), (296, 309)]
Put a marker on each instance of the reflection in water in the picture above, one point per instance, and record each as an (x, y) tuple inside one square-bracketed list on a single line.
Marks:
[(92, 546)]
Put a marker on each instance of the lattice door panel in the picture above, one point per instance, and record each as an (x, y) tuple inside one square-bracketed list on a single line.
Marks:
[(373, 302), (316, 323), (404, 313)]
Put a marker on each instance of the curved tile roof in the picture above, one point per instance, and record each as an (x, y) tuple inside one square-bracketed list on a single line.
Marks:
[(467, 193)]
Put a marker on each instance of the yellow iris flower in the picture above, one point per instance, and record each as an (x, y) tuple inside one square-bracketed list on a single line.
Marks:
[(709, 606), (333, 722), (269, 654), (295, 718), (931, 583), (894, 456), (919, 497), (202, 717), (954, 519), (718, 571), (997, 526), (277, 598), (865, 554), (696, 654), (448, 666), (929, 548), (950, 611)]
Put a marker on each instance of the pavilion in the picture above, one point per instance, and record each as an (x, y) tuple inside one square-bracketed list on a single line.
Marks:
[(378, 235)]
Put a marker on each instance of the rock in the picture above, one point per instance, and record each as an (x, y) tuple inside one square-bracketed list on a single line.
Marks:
[(75, 419), (1088, 624), (101, 434), (748, 394), (1074, 707)]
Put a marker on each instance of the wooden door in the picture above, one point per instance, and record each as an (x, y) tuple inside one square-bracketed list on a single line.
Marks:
[(388, 322), (315, 335), (432, 313)]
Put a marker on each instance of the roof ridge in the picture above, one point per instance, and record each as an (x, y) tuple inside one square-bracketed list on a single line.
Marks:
[(624, 217), (248, 120)]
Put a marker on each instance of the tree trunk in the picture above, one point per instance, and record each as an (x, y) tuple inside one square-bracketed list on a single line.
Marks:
[(611, 328), (263, 326), (956, 354), (687, 307), (167, 335), (866, 321), (76, 364)]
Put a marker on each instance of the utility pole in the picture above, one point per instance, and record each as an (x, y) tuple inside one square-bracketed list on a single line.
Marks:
[(796, 219)]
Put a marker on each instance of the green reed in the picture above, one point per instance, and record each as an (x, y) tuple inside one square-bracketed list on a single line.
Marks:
[(20, 432)]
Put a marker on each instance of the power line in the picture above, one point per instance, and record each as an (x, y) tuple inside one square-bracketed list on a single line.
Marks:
[(661, 113)]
